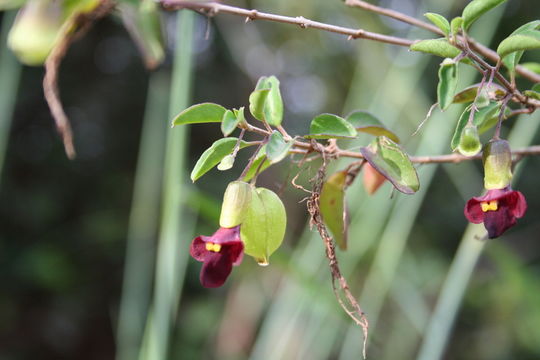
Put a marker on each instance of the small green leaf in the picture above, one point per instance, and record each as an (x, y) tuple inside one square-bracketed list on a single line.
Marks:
[(536, 87), (448, 80), (257, 100), (469, 93), (329, 126), (11, 4), (213, 156), (226, 163), (532, 94), (229, 123), (263, 229), (332, 206), (532, 66), (277, 148), (200, 113), (483, 98), (527, 40), (440, 47), (512, 60), (477, 8), (260, 163), (240, 116), (439, 21), (455, 26), (273, 107), (390, 160), (365, 122)]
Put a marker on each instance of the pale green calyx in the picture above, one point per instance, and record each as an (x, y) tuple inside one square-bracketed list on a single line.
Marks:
[(236, 202), (497, 159), (469, 143)]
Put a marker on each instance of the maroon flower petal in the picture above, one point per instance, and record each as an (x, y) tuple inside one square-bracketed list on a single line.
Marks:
[(198, 249), (473, 211), (217, 267), (497, 222), (517, 204), (224, 236)]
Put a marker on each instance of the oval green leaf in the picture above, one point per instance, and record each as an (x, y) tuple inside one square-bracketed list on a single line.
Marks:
[(332, 206), (273, 107), (440, 47), (526, 40), (469, 93), (213, 156), (390, 160), (439, 21), (367, 123), (264, 226), (448, 80), (329, 126), (199, 114), (260, 163), (512, 60), (229, 123), (257, 100), (277, 148), (477, 8)]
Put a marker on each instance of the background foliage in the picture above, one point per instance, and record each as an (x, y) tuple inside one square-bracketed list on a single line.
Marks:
[(64, 224)]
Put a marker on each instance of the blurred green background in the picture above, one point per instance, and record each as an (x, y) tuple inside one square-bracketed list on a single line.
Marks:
[(94, 252)]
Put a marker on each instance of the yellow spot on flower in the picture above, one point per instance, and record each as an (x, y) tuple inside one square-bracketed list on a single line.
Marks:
[(213, 247), (489, 205)]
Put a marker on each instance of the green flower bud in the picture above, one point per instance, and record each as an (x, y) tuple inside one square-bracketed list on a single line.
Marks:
[(35, 31), (482, 99), (236, 202), (469, 143), (263, 229), (497, 159)]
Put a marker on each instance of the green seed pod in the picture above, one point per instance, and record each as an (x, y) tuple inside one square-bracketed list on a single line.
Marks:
[(497, 159), (236, 202), (469, 143)]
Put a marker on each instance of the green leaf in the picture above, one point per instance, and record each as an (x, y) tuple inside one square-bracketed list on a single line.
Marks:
[(532, 66), (263, 229), (455, 26), (532, 94), (469, 93), (332, 206), (229, 123), (273, 106), (200, 113), (277, 148), (257, 100), (365, 122), (390, 160), (260, 163), (226, 163), (477, 8), (213, 156), (448, 80), (11, 4), (536, 87), (512, 60), (440, 47), (329, 126), (439, 21), (527, 40), (240, 116)]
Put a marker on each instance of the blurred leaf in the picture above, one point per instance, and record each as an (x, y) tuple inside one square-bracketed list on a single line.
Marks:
[(448, 80), (532, 94), (455, 25), (512, 60), (369, 124), (469, 93), (329, 126), (439, 21), (11, 4), (214, 155), (277, 148), (228, 123), (532, 66), (526, 40), (239, 113), (257, 101), (260, 163), (440, 47), (143, 22), (390, 160), (263, 229), (200, 113), (477, 8), (332, 206), (273, 104)]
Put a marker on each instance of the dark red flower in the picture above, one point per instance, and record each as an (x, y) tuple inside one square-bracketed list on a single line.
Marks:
[(219, 253), (498, 209)]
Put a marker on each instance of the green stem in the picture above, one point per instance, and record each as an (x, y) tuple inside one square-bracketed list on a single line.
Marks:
[(171, 253), (143, 222), (10, 71)]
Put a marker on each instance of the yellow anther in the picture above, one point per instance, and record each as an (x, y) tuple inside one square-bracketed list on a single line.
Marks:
[(213, 247), (489, 205)]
